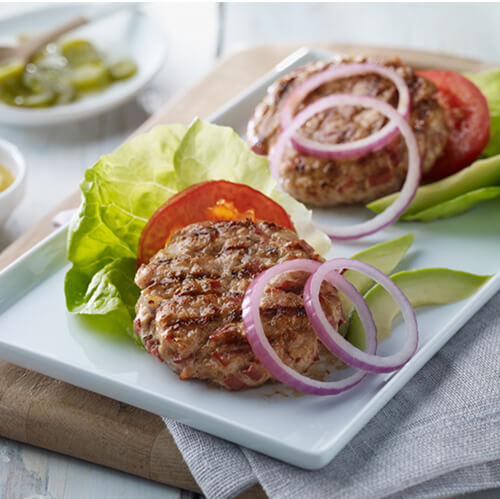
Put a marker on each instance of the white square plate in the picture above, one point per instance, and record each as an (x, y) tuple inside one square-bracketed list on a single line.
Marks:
[(36, 332)]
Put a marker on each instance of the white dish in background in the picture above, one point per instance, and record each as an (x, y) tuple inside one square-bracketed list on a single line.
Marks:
[(125, 33), (38, 333), (12, 159)]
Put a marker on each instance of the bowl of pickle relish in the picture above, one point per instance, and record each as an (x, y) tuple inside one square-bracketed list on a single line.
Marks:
[(61, 73), (98, 67)]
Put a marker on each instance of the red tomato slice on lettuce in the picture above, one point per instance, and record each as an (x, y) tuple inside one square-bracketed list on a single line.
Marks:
[(468, 118), (215, 199)]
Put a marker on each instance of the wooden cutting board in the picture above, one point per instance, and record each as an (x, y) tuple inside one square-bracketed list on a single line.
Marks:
[(48, 413)]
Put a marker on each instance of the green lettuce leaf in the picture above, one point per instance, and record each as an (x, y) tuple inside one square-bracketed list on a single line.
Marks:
[(489, 84), (123, 189), (120, 192), (111, 292)]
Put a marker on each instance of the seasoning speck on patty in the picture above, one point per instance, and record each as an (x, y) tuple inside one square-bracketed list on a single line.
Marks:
[(189, 311)]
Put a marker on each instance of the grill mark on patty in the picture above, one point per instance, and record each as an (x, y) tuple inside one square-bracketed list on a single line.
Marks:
[(195, 292), (239, 274), (249, 269), (172, 278), (283, 310), (194, 321), (235, 316), (238, 247)]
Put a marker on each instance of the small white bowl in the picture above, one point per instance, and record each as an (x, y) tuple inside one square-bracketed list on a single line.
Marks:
[(129, 33), (12, 159)]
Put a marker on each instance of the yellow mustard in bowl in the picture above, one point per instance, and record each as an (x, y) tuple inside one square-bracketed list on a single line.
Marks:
[(6, 178)]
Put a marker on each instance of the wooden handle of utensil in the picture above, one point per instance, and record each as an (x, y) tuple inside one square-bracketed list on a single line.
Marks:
[(36, 43)]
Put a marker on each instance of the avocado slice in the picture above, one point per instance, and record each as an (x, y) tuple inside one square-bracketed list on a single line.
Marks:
[(432, 286), (384, 256), (482, 173), (456, 205)]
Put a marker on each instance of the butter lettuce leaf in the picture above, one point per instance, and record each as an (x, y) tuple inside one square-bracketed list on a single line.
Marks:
[(123, 189), (489, 84), (120, 192), (110, 292)]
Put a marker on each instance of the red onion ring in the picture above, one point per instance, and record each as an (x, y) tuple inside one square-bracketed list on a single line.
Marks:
[(264, 351), (335, 342), (392, 213), (345, 150)]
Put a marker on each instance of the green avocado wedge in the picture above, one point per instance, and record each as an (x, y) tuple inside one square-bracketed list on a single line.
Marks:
[(432, 286), (384, 256), (456, 205), (482, 173)]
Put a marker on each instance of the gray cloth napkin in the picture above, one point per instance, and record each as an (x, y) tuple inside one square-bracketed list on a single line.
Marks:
[(439, 436)]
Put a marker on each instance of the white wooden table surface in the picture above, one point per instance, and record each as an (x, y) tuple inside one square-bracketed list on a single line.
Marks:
[(57, 156)]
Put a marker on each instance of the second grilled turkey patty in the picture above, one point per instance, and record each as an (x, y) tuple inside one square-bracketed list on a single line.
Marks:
[(324, 182), (189, 311)]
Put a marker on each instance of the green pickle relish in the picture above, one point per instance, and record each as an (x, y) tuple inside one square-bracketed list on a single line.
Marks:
[(61, 73)]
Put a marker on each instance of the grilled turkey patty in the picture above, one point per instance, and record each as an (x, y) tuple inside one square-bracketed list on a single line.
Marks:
[(323, 182), (189, 311)]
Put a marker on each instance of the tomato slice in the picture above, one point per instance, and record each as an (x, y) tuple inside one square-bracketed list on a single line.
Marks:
[(468, 118), (215, 199)]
